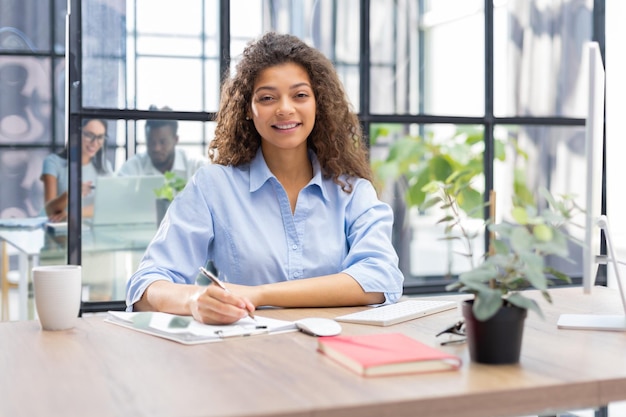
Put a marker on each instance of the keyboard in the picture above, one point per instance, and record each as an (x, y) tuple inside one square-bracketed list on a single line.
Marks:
[(397, 313)]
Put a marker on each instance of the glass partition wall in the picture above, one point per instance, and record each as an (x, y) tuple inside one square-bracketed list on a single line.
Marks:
[(494, 86)]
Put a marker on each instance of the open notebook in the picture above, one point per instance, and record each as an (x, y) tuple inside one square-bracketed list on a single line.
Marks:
[(186, 330)]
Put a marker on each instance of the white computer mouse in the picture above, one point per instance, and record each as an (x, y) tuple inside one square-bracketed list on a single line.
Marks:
[(317, 326)]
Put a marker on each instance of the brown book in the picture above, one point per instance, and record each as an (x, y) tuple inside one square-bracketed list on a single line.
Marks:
[(386, 354)]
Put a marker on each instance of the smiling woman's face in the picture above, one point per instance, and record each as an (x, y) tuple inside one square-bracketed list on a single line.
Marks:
[(283, 106), (93, 134)]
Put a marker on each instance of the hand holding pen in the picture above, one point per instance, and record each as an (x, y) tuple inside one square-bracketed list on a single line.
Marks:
[(220, 284)]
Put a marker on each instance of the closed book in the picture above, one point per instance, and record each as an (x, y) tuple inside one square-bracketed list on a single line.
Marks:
[(386, 354)]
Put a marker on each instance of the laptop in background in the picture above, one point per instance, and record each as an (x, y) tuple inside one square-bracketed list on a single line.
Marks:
[(125, 200)]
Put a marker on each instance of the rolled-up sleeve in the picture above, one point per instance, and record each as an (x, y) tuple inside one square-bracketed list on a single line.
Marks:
[(372, 260)]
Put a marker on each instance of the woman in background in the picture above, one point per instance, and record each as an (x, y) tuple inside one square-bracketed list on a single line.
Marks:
[(55, 173)]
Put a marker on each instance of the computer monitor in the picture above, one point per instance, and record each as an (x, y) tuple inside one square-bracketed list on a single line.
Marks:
[(595, 222), (594, 142), (125, 200)]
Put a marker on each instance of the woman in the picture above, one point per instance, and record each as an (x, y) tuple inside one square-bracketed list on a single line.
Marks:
[(55, 173), (286, 212)]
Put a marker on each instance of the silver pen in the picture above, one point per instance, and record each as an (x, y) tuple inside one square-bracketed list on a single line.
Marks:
[(220, 284)]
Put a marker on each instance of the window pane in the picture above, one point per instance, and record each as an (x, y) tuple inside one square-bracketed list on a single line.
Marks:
[(553, 158), (132, 59), (453, 61), (156, 85), (21, 190), (165, 17), (212, 22), (24, 26), (345, 52), (25, 100), (330, 26), (59, 26), (59, 102), (407, 157), (110, 253), (181, 36), (537, 57), (103, 54), (395, 56), (130, 139), (191, 136)]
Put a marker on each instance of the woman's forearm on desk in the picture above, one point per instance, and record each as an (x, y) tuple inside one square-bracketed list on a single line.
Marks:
[(167, 297), (214, 305), (326, 291)]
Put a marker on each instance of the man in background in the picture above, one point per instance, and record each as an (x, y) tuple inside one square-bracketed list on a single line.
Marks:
[(162, 154)]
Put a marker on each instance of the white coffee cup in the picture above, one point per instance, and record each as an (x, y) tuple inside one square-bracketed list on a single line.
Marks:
[(57, 295)]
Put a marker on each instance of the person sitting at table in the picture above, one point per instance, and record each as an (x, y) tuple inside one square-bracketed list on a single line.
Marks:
[(55, 173), (162, 155), (287, 212)]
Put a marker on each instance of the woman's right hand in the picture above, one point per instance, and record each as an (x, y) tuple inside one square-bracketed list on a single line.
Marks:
[(213, 305), (58, 216)]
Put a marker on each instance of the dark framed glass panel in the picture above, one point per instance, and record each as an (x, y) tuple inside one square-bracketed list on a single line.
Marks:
[(537, 58), (58, 105), (453, 59), (191, 137), (157, 85), (25, 25), (60, 11), (21, 190), (553, 158), (329, 25), (427, 65), (25, 100), (407, 157), (166, 28), (103, 54), (395, 56)]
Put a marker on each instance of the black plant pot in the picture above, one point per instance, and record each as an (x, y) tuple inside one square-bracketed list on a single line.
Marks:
[(497, 340)]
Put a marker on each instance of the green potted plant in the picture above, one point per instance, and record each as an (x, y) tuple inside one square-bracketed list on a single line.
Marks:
[(516, 261), (172, 185)]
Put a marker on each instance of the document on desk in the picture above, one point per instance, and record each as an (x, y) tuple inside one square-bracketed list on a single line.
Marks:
[(186, 330)]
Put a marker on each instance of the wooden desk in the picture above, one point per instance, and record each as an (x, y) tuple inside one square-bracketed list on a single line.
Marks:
[(99, 369)]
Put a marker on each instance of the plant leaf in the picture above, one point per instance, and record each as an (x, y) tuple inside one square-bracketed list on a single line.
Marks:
[(521, 301), (486, 304)]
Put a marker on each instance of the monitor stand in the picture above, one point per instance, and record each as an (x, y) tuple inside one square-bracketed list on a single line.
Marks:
[(599, 321)]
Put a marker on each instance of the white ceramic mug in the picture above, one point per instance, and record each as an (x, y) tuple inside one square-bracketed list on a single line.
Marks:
[(57, 295)]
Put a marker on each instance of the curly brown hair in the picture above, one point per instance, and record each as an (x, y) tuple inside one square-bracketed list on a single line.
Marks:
[(336, 138)]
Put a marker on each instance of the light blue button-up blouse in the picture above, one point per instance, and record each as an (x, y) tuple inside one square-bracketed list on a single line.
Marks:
[(240, 219)]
